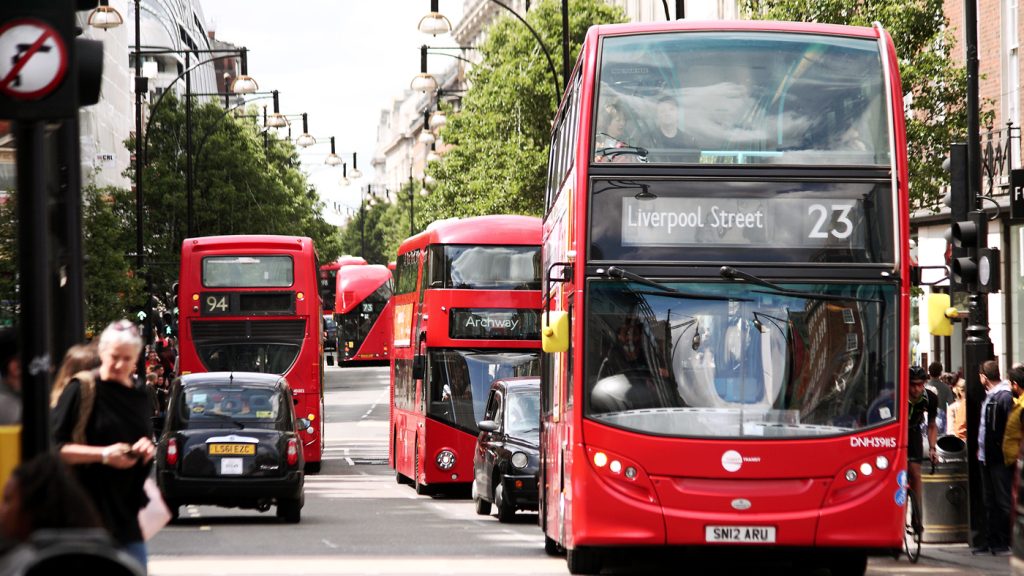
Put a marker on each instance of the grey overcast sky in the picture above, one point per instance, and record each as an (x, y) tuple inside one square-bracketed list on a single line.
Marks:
[(340, 61)]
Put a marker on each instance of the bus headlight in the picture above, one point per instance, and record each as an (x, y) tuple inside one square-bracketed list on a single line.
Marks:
[(445, 459), (520, 460)]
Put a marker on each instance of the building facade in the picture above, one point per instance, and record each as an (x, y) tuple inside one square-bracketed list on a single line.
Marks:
[(999, 30)]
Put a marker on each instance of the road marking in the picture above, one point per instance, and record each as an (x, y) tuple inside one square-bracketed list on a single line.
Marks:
[(329, 544), (349, 460), (345, 565)]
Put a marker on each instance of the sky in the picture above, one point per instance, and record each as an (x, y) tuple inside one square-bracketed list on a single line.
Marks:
[(341, 62)]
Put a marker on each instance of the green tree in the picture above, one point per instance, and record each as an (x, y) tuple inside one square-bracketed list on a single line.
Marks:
[(111, 287), (936, 116), (8, 259), (501, 135), (245, 182)]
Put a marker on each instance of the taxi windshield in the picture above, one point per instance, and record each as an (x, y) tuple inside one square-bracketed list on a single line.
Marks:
[(230, 406)]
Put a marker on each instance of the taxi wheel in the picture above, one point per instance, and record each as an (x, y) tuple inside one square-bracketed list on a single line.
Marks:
[(290, 510), (173, 508), (483, 507), (506, 512)]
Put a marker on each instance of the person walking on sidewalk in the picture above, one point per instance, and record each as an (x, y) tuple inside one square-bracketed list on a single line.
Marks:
[(922, 405), (996, 476), (101, 425)]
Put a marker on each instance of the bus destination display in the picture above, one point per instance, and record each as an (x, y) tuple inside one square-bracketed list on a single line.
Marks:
[(494, 324), (781, 222)]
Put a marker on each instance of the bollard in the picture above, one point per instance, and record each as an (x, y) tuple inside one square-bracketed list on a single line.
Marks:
[(944, 502)]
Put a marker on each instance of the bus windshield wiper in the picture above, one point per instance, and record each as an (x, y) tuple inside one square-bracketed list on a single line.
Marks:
[(730, 273), (663, 290), (621, 148)]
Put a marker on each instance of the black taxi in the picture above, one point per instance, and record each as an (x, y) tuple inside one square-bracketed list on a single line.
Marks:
[(230, 440), (506, 462)]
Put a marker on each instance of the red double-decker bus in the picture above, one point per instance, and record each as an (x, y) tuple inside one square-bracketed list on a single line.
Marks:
[(726, 297), (328, 283), (250, 304), (362, 312), (466, 312)]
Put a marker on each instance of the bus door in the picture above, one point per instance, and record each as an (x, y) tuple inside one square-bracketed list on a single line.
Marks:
[(556, 442)]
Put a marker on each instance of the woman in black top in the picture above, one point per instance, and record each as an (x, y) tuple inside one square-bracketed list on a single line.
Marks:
[(113, 460)]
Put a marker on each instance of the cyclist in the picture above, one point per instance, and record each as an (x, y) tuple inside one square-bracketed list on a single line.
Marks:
[(922, 401)]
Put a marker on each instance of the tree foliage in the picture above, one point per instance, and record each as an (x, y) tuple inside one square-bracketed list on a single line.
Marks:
[(501, 135), (245, 182), (111, 287), (936, 115)]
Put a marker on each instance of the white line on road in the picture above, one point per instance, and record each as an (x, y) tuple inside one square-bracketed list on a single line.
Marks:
[(349, 460), (329, 544)]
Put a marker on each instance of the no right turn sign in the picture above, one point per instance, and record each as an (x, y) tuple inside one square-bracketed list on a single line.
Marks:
[(33, 59)]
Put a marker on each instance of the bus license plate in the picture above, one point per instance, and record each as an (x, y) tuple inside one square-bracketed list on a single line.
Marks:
[(752, 534), (232, 449)]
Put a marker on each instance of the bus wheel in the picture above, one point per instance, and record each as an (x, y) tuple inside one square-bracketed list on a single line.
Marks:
[(552, 548), (582, 560), (506, 512), (483, 507), (313, 467)]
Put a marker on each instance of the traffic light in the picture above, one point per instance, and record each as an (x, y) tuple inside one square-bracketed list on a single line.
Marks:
[(977, 268), (46, 71)]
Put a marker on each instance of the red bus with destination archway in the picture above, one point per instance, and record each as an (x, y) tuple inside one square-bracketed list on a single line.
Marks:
[(250, 303), (727, 295), (466, 312), (362, 313), (328, 282)]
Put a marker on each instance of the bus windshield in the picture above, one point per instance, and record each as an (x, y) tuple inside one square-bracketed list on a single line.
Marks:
[(247, 271), (485, 267), (459, 381), (732, 360), (741, 98)]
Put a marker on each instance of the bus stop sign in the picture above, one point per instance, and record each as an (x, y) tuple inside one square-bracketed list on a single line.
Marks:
[(33, 59)]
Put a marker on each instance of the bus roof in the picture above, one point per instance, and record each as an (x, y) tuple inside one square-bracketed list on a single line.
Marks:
[(355, 283), (248, 242), (502, 229), (343, 261), (733, 25)]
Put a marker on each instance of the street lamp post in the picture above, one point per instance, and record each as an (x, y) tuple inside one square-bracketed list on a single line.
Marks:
[(435, 23)]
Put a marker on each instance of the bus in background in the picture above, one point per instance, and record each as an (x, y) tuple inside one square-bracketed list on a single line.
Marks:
[(362, 312), (726, 294), (328, 282), (250, 304), (466, 312)]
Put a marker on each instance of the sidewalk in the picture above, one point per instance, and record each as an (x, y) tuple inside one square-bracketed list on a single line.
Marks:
[(960, 555)]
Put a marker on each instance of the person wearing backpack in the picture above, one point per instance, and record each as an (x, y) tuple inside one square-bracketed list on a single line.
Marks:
[(101, 425)]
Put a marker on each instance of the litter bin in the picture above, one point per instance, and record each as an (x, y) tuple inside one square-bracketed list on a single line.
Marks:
[(944, 502)]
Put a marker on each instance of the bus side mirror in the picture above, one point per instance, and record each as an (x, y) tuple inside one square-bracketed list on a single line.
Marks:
[(554, 331), (488, 425), (417, 367), (940, 315)]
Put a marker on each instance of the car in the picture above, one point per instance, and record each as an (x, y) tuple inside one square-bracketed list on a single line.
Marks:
[(330, 334), (230, 440), (506, 462)]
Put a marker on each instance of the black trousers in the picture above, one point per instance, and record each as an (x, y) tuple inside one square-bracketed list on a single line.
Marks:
[(996, 482)]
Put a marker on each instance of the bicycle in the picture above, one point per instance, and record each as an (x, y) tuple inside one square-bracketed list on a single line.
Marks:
[(913, 526)]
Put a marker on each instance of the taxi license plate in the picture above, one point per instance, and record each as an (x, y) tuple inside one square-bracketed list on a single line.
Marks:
[(751, 534), (232, 449)]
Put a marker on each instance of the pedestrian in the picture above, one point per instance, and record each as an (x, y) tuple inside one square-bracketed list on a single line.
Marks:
[(942, 393), (113, 456), (78, 358), (43, 494), (996, 476), (10, 378), (956, 413), (1012, 436)]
